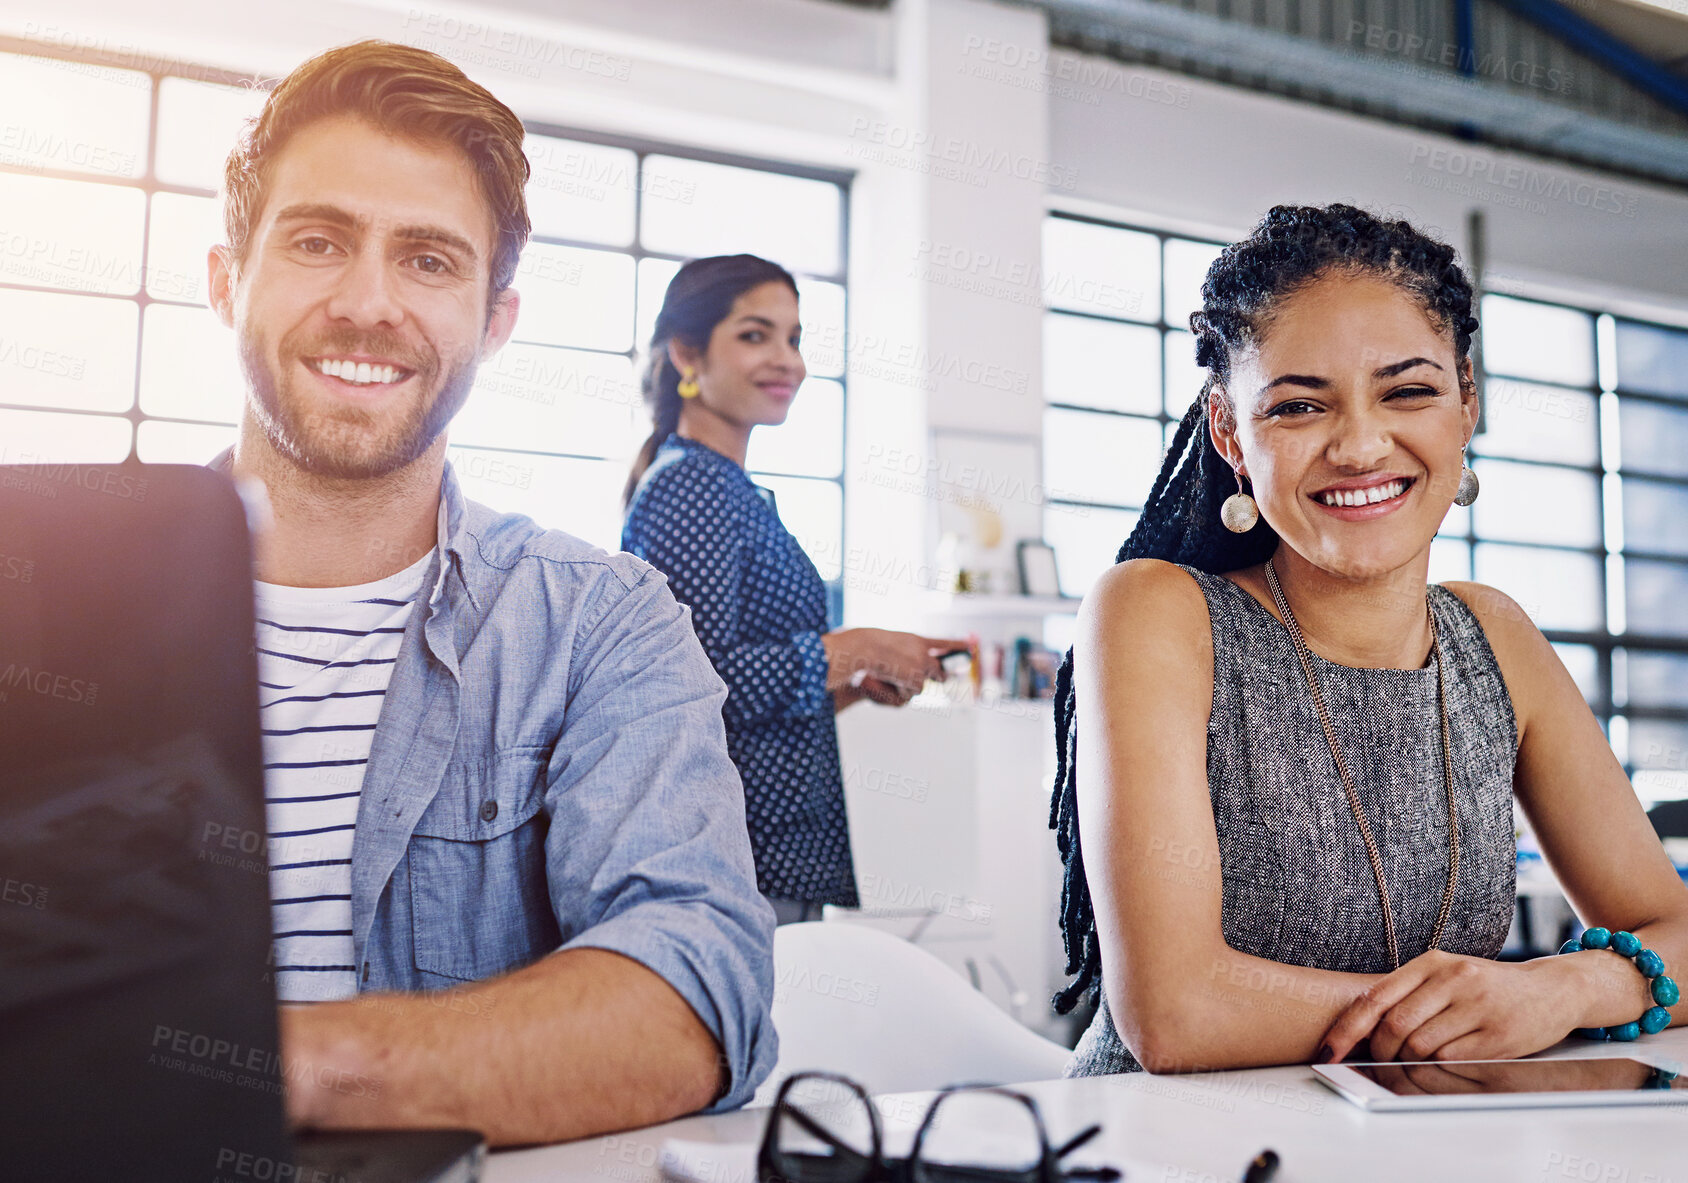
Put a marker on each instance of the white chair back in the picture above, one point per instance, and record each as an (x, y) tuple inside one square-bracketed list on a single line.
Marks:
[(889, 1015)]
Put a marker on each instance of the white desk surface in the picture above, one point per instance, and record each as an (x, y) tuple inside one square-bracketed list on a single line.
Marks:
[(1203, 1129)]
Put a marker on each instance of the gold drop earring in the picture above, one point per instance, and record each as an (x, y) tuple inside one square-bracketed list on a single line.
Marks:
[(688, 383), (1239, 513)]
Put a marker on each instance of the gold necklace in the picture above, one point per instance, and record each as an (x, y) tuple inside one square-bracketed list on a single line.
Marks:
[(1348, 780)]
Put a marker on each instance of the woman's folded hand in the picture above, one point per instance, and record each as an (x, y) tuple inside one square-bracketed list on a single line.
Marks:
[(1445, 1006)]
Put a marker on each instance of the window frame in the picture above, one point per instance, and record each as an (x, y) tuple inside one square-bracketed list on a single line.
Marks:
[(1163, 419)]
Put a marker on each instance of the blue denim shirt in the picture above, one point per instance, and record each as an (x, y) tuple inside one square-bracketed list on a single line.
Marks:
[(550, 772)]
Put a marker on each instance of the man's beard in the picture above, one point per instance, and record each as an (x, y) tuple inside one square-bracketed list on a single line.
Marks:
[(349, 443)]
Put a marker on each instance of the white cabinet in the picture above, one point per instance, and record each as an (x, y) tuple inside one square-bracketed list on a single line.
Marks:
[(949, 810)]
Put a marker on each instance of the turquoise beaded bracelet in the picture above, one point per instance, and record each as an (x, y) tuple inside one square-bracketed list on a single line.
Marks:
[(1664, 990)]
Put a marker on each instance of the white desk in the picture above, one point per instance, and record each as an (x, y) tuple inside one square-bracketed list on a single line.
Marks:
[(1203, 1129)]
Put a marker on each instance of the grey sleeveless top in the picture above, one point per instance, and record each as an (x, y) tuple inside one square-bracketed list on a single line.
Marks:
[(1298, 885)]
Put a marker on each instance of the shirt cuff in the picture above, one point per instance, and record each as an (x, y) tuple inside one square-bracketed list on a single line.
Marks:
[(732, 1011), (813, 698)]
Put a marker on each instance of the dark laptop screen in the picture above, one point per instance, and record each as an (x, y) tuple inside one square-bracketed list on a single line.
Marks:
[(137, 1018)]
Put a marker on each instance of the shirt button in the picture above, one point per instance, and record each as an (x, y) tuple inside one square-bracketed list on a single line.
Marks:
[(489, 810), (366, 971)]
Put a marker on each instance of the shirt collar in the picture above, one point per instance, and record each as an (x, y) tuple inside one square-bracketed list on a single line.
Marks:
[(452, 538)]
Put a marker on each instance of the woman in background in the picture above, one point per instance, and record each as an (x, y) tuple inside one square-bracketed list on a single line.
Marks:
[(1300, 760), (724, 360)]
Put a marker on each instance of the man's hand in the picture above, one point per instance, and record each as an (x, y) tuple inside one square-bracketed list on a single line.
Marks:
[(1444, 1006), (581, 1042)]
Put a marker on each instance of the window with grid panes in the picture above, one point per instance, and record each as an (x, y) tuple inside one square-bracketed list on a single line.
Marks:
[(108, 180), (1583, 458), (1119, 372), (1585, 442)]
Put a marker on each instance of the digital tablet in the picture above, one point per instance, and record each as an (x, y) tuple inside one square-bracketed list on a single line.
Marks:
[(1504, 1084)]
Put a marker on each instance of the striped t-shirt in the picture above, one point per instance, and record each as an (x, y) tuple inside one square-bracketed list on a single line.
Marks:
[(325, 656)]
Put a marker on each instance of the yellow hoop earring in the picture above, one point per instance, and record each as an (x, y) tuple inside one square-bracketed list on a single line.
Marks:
[(688, 384)]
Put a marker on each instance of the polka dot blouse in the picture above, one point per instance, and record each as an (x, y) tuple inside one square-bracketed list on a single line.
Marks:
[(759, 607)]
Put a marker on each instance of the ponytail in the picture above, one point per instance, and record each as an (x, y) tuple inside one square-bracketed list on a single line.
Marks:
[(662, 396)]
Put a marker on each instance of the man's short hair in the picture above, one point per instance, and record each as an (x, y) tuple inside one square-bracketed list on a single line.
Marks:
[(404, 92)]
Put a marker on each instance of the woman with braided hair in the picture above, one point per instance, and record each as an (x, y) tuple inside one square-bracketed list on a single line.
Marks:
[(1300, 761)]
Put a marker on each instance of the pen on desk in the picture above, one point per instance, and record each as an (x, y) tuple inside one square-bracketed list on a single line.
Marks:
[(1262, 1168)]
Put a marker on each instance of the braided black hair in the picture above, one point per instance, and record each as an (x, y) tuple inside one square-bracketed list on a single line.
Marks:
[(1290, 248), (699, 297)]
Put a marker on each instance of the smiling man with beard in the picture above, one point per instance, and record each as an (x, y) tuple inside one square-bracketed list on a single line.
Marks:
[(495, 762)]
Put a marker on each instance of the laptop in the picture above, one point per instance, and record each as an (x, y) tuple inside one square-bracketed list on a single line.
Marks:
[(137, 1013)]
